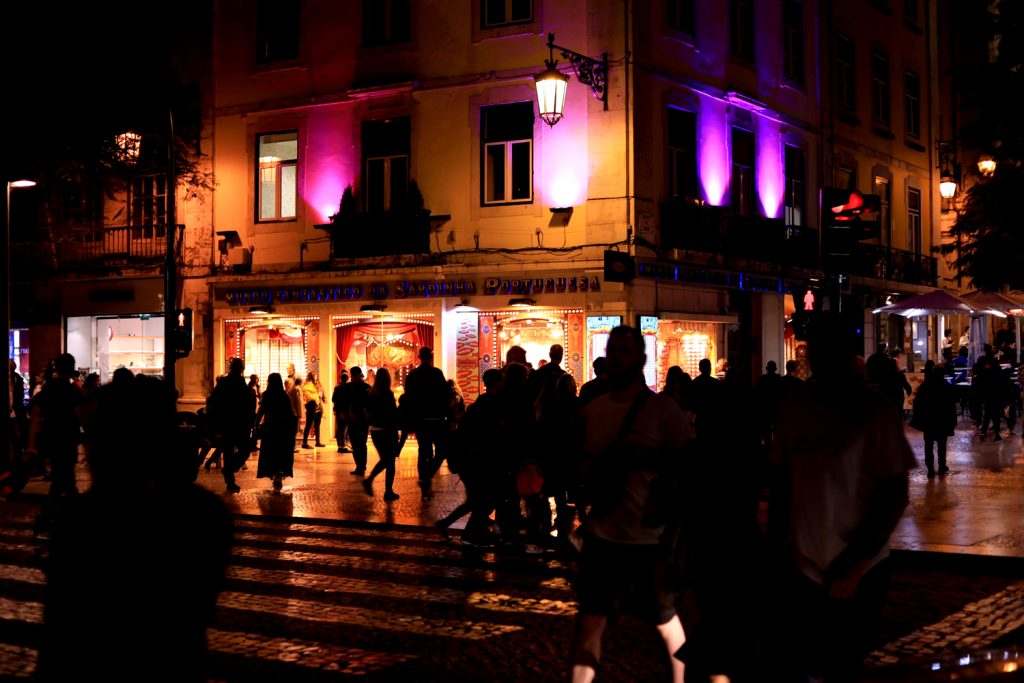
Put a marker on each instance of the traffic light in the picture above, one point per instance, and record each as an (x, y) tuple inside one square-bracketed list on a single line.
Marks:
[(181, 334)]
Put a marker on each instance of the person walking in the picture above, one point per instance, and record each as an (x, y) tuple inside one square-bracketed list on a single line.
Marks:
[(294, 393), (278, 426), (314, 406), (358, 426), (382, 416), (341, 397), (840, 488), (935, 415), (629, 436), (120, 610), (54, 434), (428, 402), (233, 410)]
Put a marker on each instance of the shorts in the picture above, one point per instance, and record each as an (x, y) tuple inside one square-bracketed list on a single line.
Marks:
[(625, 577)]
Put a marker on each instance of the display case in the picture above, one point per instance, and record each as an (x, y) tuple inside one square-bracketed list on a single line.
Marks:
[(137, 353)]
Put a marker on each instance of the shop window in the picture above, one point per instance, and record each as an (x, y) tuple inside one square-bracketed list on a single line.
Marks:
[(681, 15), (268, 348), (507, 145), (277, 30), (914, 220), (793, 40), (386, 22), (375, 343), (912, 104), (682, 154), (277, 173), (742, 182), (741, 29), (795, 186), (102, 344), (495, 13), (880, 108), (386, 163), (846, 84), (685, 343)]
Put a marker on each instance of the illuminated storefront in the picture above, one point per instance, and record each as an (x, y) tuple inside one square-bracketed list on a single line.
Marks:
[(383, 341), (102, 344), (269, 345)]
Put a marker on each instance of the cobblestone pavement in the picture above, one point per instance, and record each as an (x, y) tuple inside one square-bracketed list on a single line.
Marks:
[(328, 581)]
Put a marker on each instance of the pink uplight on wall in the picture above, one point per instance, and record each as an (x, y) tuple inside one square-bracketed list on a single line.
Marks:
[(329, 166), (713, 157), (771, 176), (565, 167)]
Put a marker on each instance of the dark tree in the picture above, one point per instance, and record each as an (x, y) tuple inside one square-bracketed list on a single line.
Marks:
[(988, 235)]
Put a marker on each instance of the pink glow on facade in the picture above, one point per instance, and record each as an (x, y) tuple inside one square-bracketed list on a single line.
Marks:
[(564, 176), (714, 166), (771, 176), (328, 168)]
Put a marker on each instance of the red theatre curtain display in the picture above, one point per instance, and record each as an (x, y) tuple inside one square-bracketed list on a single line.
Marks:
[(423, 334)]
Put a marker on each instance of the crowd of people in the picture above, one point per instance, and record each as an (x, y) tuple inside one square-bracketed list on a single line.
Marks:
[(748, 523)]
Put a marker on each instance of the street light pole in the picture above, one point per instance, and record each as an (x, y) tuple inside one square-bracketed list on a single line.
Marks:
[(170, 265), (11, 184)]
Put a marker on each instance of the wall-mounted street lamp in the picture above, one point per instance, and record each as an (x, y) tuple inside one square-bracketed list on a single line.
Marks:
[(551, 83), (950, 169)]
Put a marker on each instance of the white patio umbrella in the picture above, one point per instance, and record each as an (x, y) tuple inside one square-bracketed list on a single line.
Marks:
[(941, 302)]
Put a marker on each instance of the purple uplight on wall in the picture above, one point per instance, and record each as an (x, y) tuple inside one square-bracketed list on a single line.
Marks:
[(771, 178), (329, 170), (714, 150), (564, 169)]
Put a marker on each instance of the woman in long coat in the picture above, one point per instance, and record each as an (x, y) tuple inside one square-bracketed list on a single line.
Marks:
[(277, 429)]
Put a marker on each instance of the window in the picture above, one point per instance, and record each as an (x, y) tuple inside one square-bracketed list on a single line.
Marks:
[(742, 182), (910, 11), (682, 154), (741, 29), (795, 179), (507, 144), (277, 31), (914, 220), (495, 13), (147, 206), (793, 40), (883, 188), (277, 160), (386, 22), (846, 86), (385, 163), (681, 16), (846, 176), (912, 104), (880, 88)]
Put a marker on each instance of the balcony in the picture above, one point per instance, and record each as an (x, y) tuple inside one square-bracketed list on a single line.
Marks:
[(127, 245), (379, 234), (896, 265), (716, 230)]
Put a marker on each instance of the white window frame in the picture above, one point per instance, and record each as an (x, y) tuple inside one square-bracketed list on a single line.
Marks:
[(387, 178), (507, 191), (275, 167)]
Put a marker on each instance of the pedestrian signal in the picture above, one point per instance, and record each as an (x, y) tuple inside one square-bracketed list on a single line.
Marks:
[(181, 333)]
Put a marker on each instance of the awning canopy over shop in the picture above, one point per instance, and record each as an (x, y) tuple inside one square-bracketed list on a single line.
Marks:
[(937, 302)]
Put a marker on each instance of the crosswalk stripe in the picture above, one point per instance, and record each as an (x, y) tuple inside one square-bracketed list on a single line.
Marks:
[(17, 662), (498, 602), (307, 653), (28, 611), (356, 616)]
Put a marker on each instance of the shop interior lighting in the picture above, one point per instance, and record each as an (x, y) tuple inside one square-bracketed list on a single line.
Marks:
[(373, 308), (524, 302), (261, 310), (465, 307)]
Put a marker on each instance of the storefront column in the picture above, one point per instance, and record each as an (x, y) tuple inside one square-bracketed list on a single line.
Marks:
[(773, 330)]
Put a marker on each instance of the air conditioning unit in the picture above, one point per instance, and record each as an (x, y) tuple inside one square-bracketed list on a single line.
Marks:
[(240, 257)]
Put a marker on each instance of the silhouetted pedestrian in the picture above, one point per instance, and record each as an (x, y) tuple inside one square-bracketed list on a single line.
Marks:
[(630, 438), (136, 562), (277, 430), (382, 416), (232, 409), (428, 404), (54, 434), (935, 415), (842, 488), (358, 427), (597, 386), (341, 397)]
